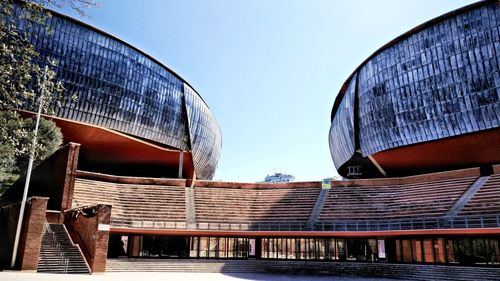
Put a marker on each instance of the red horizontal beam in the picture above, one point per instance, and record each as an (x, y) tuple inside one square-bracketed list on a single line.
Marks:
[(240, 233)]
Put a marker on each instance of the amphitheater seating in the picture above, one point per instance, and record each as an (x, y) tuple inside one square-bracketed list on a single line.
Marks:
[(134, 204), (486, 200), (423, 199), (261, 204), (155, 205)]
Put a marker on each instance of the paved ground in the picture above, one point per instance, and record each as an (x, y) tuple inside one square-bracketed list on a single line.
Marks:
[(150, 276)]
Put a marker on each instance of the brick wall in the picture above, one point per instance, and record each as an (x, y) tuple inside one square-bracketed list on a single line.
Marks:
[(472, 172), (29, 245), (130, 180), (221, 184), (53, 178), (83, 225), (31, 233)]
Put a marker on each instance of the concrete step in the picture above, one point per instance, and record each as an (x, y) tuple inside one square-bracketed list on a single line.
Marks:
[(61, 256), (382, 270)]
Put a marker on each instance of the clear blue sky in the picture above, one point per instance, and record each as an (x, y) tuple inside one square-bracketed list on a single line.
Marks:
[(269, 70)]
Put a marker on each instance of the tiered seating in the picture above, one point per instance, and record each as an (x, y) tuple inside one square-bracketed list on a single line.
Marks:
[(134, 204), (357, 202), (429, 199), (260, 204), (486, 200), (287, 204), (423, 199), (215, 204)]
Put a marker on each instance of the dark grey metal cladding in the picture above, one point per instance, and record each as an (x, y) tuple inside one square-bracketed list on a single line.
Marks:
[(205, 135), (121, 88), (440, 82), (342, 141)]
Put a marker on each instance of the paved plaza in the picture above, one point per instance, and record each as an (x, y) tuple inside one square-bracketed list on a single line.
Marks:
[(154, 276)]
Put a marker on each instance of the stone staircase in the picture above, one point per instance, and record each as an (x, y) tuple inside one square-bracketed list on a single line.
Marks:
[(316, 210), (58, 254), (466, 197), (385, 270), (182, 265), (360, 269)]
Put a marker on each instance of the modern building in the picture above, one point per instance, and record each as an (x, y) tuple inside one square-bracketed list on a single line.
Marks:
[(279, 177), (426, 101), (411, 226), (133, 115)]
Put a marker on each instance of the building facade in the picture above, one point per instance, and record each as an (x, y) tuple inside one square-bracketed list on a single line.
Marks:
[(424, 102), (121, 89), (446, 218), (279, 177)]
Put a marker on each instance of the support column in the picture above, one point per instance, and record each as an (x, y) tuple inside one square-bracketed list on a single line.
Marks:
[(181, 163)]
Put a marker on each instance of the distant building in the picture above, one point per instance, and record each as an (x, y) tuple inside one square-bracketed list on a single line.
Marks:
[(328, 180), (279, 177)]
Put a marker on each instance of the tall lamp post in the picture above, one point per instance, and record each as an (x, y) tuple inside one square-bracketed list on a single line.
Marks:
[(28, 172)]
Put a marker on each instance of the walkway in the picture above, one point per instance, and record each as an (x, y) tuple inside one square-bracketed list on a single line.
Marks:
[(153, 276)]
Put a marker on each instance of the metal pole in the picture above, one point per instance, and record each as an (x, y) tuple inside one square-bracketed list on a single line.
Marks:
[(28, 172)]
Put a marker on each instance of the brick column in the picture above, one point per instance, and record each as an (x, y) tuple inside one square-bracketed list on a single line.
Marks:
[(32, 233)]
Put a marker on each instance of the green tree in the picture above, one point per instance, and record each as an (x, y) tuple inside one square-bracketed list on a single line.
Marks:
[(9, 124), (21, 79), (49, 139), (14, 152)]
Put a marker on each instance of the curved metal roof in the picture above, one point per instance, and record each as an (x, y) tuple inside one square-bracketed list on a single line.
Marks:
[(93, 28), (400, 38)]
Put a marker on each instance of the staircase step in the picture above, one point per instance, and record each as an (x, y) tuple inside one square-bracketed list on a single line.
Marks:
[(58, 254), (383, 270)]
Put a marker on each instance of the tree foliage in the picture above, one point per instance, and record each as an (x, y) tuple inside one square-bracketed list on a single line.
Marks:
[(25, 82), (15, 151), (17, 55)]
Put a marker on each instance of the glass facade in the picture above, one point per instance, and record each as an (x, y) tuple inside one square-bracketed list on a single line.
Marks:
[(219, 247), (334, 249), (121, 88), (439, 82), (204, 134), (464, 250), (148, 246), (342, 145), (468, 251)]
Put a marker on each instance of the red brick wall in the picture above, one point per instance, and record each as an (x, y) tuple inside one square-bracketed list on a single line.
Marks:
[(472, 172), (130, 180), (69, 176), (29, 245), (496, 169), (8, 221), (53, 178), (53, 216), (207, 183), (32, 231), (82, 225)]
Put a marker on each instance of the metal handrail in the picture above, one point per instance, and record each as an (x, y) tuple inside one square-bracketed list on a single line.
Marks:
[(54, 242), (467, 222)]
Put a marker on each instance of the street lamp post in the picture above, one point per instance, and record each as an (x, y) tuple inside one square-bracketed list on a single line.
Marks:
[(28, 172)]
